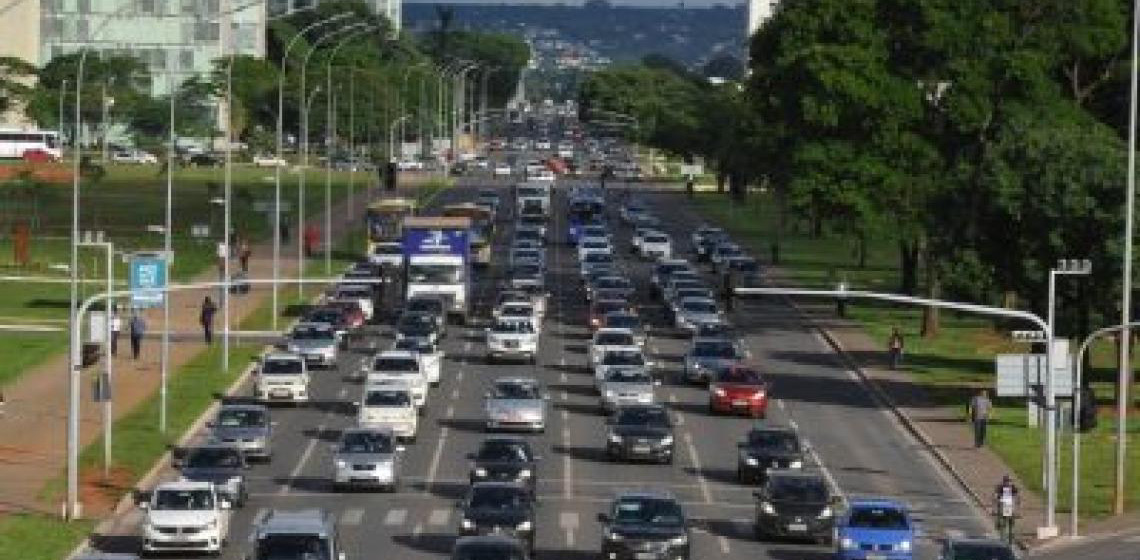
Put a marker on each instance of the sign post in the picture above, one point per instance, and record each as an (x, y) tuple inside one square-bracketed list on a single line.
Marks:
[(147, 280)]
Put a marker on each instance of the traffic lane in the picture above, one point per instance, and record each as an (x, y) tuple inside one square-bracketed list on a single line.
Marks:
[(1115, 546)]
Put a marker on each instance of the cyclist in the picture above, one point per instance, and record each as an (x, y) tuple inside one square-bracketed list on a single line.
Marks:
[(1006, 500)]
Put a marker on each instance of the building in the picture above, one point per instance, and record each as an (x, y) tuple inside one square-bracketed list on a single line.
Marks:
[(391, 9), (759, 11)]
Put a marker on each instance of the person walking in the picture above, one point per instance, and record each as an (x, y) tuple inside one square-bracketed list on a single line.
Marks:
[(116, 329), (138, 329), (206, 318), (979, 412), (243, 255), (895, 346), (1006, 502), (729, 287), (311, 235)]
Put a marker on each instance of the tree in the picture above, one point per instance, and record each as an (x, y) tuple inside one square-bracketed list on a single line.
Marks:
[(14, 72), (724, 66)]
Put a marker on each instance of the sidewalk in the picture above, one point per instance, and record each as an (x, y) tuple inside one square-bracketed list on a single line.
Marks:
[(33, 426)]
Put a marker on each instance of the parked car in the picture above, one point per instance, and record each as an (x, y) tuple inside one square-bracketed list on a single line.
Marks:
[(133, 157), (515, 403), (652, 524), (768, 448), (246, 426), (795, 504), (369, 457), (873, 529)]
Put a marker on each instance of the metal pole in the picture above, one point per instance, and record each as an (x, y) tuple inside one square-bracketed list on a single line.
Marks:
[(108, 410), (227, 234), (72, 510), (62, 96), (1050, 470), (351, 140), (1125, 374), (103, 124), (167, 246)]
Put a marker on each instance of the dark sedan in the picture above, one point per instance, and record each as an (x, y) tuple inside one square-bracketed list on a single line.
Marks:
[(499, 508), (768, 448), (640, 432), (795, 504), (644, 526), (505, 459), (222, 465)]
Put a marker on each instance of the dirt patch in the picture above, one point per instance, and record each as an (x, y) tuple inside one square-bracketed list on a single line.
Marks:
[(99, 494)]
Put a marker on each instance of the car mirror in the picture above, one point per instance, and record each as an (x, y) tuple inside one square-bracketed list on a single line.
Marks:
[(603, 518)]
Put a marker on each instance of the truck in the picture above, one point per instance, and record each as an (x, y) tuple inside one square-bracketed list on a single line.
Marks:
[(482, 229), (437, 261), (533, 198), (384, 218)]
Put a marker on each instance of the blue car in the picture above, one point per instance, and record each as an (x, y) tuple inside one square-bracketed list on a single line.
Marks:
[(875, 530)]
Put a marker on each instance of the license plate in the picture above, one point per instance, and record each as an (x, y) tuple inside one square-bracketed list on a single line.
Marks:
[(739, 403), (797, 527), (281, 393), (641, 449), (644, 556), (876, 557)]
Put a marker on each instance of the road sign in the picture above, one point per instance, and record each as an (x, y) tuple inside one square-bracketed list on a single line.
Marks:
[(1023, 375), (200, 231), (147, 275), (96, 325), (691, 169)]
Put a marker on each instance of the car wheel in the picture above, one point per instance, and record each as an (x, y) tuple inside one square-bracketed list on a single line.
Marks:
[(759, 533)]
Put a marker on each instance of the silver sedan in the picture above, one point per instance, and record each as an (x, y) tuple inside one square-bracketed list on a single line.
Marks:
[(516, 403)]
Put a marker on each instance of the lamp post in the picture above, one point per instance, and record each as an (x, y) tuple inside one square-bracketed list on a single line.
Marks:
[(403, 94), (97, 240), (62, 95), (1124, 375)]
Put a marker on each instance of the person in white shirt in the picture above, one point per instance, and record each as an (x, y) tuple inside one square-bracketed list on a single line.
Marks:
[(116, 328)]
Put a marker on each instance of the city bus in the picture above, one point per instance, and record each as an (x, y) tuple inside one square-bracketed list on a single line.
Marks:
[(15, 143), (385, 220), (482, 229)]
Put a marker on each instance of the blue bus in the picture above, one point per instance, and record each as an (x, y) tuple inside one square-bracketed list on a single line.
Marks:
[(584, 211)]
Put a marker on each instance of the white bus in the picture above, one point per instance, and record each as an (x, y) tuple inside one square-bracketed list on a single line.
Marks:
[(14, 143)]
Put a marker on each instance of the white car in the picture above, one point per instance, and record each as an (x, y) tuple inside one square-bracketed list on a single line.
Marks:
[(517, 310), (263, 160), (387, 254), (512, 338), (431, 357), (409, 165), (625, 386), (185, 516), (502, 170), (399, 366), (608, 339), (622, 358), (542, 145), (389, 404), (656, 246), (282, 377), (594, 245), (134, 156)]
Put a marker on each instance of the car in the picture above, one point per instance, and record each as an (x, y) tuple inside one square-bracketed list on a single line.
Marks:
[(594, 245), (527, 255), (389, 404), (795, 504), (737, 390), (498, 508), (264, 160), (489, 199), (631, 209), (538, 295), (684, 290), (317, 343), (204, 160), (624, 358), (489, 547), (961, 548), (246, 426), (638, 235), (642, 431), (399, 366), (505, 459), (367, 456), (606, 339), (679, 280), (663, 270), (502, 170), (363, 294), (646, 525), (708, 244), (431, 357), (515, 403), (614, 284), (594, 260), (134, 156), (282, 377), (625, 386), (691, 311), (429, 305), (409, 165), (766, 448), (630, 322), (387, 254), (715, 329), (655, 245), (337, 317), (222, 465), (723, 252), (873, 529), (185, 516), (697, 238), (518, 310), (422, 326), (706, 356), (601, 307), (306, 533), (594, 231), (514, 338)]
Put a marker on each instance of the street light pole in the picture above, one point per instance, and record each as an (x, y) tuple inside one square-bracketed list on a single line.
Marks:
[(164, 354), (1124, 375), (62, 95)]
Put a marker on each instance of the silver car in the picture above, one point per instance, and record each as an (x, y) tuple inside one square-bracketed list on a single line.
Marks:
[(706, 356), (691, 312), (316, 342), (516, 403), (368, 457), (628, 385), (623, 358), (245, 426)]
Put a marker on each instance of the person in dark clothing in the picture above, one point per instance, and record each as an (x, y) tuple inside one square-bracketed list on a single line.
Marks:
[(728, 287), (980, 410), (209, 309), (895, 348), (138, 329), (243, 255)]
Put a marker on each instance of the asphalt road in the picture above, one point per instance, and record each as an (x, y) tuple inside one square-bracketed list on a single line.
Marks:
[(854, 439)]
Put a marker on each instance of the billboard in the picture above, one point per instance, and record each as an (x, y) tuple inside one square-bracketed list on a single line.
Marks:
[(436, 241), (147, 280)]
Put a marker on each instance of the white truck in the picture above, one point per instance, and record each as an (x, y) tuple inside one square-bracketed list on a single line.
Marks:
[(437, 261)]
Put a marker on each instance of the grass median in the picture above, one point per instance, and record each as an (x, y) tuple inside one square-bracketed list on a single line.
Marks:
[(950, 366)]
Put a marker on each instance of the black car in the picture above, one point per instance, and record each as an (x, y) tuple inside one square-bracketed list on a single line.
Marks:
[(505, 459), (795, 504), (421, 327), (429, 305), (768, 447), (337, 317), (645, 526), (641, 431), (223, 465), (499, 508), (488, 548), (976, 549)]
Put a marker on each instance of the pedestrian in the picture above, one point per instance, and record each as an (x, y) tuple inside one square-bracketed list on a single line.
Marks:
[(243, 255), (2, 402), (311, 235), (222, 253), (1006, 502), (284, 229), (729, 287), (895, 346), (979, 412), (841, 301), (690, 190), (206, 318), (138, 329), (116, 329)]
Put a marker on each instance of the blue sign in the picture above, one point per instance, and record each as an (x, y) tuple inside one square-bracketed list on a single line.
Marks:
[(436, 241), (147, 280)]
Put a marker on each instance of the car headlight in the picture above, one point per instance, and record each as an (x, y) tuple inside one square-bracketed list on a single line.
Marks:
[(679, 540), (615, 438), (525, 473), (751, 461), (610, 394), (611, 535), (904, 546), (480, 472), (826, 513), (796, 465), (667, 440), (846, 543), (341, 464), (719, 392), (524, 526), (767, 508), (467, 523)]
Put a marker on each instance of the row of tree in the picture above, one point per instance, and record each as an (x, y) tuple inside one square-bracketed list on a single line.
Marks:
[(984, 137)]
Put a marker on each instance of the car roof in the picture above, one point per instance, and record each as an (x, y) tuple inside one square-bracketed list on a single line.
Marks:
[(884, 503), (280, 355), (243, 406), (499, 540), (184, 485), (516, 380), (613, 330), (775, 428), (296, 521), (385, 430), (497, 484), (649, 493), (313, 325)]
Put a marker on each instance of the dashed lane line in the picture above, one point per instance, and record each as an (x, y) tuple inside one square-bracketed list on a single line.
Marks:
[(698, 471)]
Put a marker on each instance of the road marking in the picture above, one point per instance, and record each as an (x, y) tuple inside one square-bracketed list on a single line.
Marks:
[(450, 411), (439, 517), (780, 403), (565, 396), (705, 493), (435, 458), (459, 376), (417, 530), (568, 520), (285, 488), (562, 378), (454, 394), (723, 541), (396, 517), (352, 517), (343, 393)]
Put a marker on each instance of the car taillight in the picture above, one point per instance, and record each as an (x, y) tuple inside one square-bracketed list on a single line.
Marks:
[(758, 395), (719, 391)]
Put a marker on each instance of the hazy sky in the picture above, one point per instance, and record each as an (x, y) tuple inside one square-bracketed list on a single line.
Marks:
[(652, 3)]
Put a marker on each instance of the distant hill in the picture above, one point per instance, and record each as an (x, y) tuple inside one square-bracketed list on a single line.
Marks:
[(620, 33)]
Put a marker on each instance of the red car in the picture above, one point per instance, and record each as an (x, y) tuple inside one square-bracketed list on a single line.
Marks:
[(739, 390)]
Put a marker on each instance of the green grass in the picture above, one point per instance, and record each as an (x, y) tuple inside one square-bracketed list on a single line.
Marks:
[(39, 537), (24, 350), (950, 366)]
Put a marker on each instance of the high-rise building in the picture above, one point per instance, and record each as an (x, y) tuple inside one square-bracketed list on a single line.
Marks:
[(391, 9), (758, 12)]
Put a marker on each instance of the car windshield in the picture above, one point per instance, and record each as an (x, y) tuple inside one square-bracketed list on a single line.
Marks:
[(292, 546), (513, 327), (503, 451), (612, 283), (699, 306), (503, 498), (714, 349), (365, 442), (488, 551), (877, 518), (623, 358), (648, 511), (421, 305), (313, 333), (622, 322), (798, 489), (614, 339), (183, 500), (643, 416), (387, 398), (391, 364), (272, 367), (598, 258), (416, 327), (628, 376), (979, 551), (387, 250), (656, 239), (413, 345), (241, 418), (515, 310), (594, 231), (526, 270), (595, 245), (737, 375), (213, 458), (435, 273), (515, 390)]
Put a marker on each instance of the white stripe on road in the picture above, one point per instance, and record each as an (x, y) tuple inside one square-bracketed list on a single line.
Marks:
[(352, 517), (705, 493), (285, 488), (723, 542), (435, 458), (568, 521), (396, 517), (439, 517)]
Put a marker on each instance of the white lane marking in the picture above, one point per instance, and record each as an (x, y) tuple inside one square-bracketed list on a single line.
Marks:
[(565, 396), (562, 377), (459, 376), (1132, 539), (723, 541), (568, 521), (417, 530), (342, 393), (704, 485), (352, 517), (285, 488), (396, 517), (439, 517), (450, 411), (780, 403), (454, 394), (435, 458)]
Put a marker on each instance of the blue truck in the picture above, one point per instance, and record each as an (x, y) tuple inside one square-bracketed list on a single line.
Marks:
[(437, 261)]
